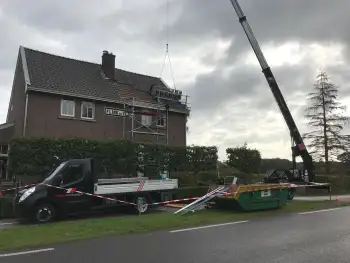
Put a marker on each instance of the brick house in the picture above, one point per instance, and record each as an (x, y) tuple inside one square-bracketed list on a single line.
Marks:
[(60, 97)]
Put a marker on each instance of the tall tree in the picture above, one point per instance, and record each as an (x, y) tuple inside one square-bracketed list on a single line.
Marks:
[(326, 116)]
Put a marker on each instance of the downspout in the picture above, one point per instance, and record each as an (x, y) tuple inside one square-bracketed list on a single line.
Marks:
[(167, 124)]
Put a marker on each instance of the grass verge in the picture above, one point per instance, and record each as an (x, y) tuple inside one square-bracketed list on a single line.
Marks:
[(24, 236)]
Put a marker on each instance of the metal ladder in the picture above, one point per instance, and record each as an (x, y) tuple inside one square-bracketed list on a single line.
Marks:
[(200, 201)]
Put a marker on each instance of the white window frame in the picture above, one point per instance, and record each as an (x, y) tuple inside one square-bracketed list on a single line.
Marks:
[(146, 120), (90, 105), (62, 104), (159, 120)]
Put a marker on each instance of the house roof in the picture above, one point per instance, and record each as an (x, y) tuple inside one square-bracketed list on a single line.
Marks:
[(62, 75)]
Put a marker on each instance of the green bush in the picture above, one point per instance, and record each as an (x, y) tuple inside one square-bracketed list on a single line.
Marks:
[(38, 156)]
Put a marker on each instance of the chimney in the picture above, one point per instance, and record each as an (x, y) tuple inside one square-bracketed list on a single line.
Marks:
[(108, 64)]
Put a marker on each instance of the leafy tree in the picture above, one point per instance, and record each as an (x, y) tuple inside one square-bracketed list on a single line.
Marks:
[(244, 159), (326, 117)]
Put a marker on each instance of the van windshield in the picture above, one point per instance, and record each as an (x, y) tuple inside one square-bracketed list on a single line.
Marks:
[(49, 179)]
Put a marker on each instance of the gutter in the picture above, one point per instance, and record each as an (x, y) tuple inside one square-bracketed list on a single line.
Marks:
[(141, 104)]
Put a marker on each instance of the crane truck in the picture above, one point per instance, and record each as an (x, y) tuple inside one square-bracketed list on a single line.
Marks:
[(304, 176)]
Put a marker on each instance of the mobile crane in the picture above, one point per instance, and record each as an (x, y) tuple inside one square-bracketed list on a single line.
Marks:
[(307, 175)]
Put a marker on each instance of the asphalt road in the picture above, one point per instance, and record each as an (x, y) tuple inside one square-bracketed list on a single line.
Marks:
[(322, 237)]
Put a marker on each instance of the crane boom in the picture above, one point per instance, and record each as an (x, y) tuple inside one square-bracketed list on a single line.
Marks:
[(299, 149)]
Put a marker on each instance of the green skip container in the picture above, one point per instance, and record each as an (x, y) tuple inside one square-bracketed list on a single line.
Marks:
[(256, 197)]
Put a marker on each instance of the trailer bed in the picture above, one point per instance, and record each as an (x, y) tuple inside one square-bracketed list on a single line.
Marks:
[(142, 186), (121, 180)]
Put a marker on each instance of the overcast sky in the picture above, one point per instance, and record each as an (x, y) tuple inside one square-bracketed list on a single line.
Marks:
[(211, 58)]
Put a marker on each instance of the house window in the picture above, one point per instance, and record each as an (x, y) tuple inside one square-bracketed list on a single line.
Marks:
[(87, 110), (161, 121), (67, 108), (146, 120)]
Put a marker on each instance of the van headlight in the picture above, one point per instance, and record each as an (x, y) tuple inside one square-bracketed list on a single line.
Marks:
[(26, 194)]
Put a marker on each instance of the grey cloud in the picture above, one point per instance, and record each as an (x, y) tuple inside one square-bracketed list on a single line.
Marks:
[(255, 137), (10, 33), (212, 91), (339, 75), (120, 17), (55, 15), (245, 124), (271, 20)]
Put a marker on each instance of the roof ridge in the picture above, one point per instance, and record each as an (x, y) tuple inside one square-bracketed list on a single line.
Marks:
[(85, 61), (60, 56), (140, 74)]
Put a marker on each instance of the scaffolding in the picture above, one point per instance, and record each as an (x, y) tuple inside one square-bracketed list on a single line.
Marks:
[(147, 121), (151, 118), (155, 121)]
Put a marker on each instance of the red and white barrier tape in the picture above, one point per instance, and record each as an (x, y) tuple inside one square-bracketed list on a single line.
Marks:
[(74, 190), (15, 188), (174, 201)]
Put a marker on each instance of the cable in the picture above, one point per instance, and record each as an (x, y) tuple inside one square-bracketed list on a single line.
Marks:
[(171, 71), (167, 46)]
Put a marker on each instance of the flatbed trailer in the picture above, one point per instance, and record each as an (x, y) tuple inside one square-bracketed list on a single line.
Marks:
[(74, 188)]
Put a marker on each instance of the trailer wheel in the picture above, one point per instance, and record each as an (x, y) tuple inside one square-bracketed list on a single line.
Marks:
[(141, 204), (44, 213)]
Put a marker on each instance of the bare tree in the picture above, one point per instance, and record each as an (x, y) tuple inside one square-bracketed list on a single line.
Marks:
[(326, 116)]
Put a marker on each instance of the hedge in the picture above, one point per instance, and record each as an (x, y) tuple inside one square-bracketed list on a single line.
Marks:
[(38, 156)]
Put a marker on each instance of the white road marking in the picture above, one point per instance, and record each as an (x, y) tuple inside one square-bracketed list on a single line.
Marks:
[(201, 227), (319, 211), (26, 252)]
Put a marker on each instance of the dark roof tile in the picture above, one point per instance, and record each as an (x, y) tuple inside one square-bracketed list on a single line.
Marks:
[(60, 74)]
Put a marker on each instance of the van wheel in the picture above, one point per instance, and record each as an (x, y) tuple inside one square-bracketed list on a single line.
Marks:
[(44, 213), (141, 204)]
